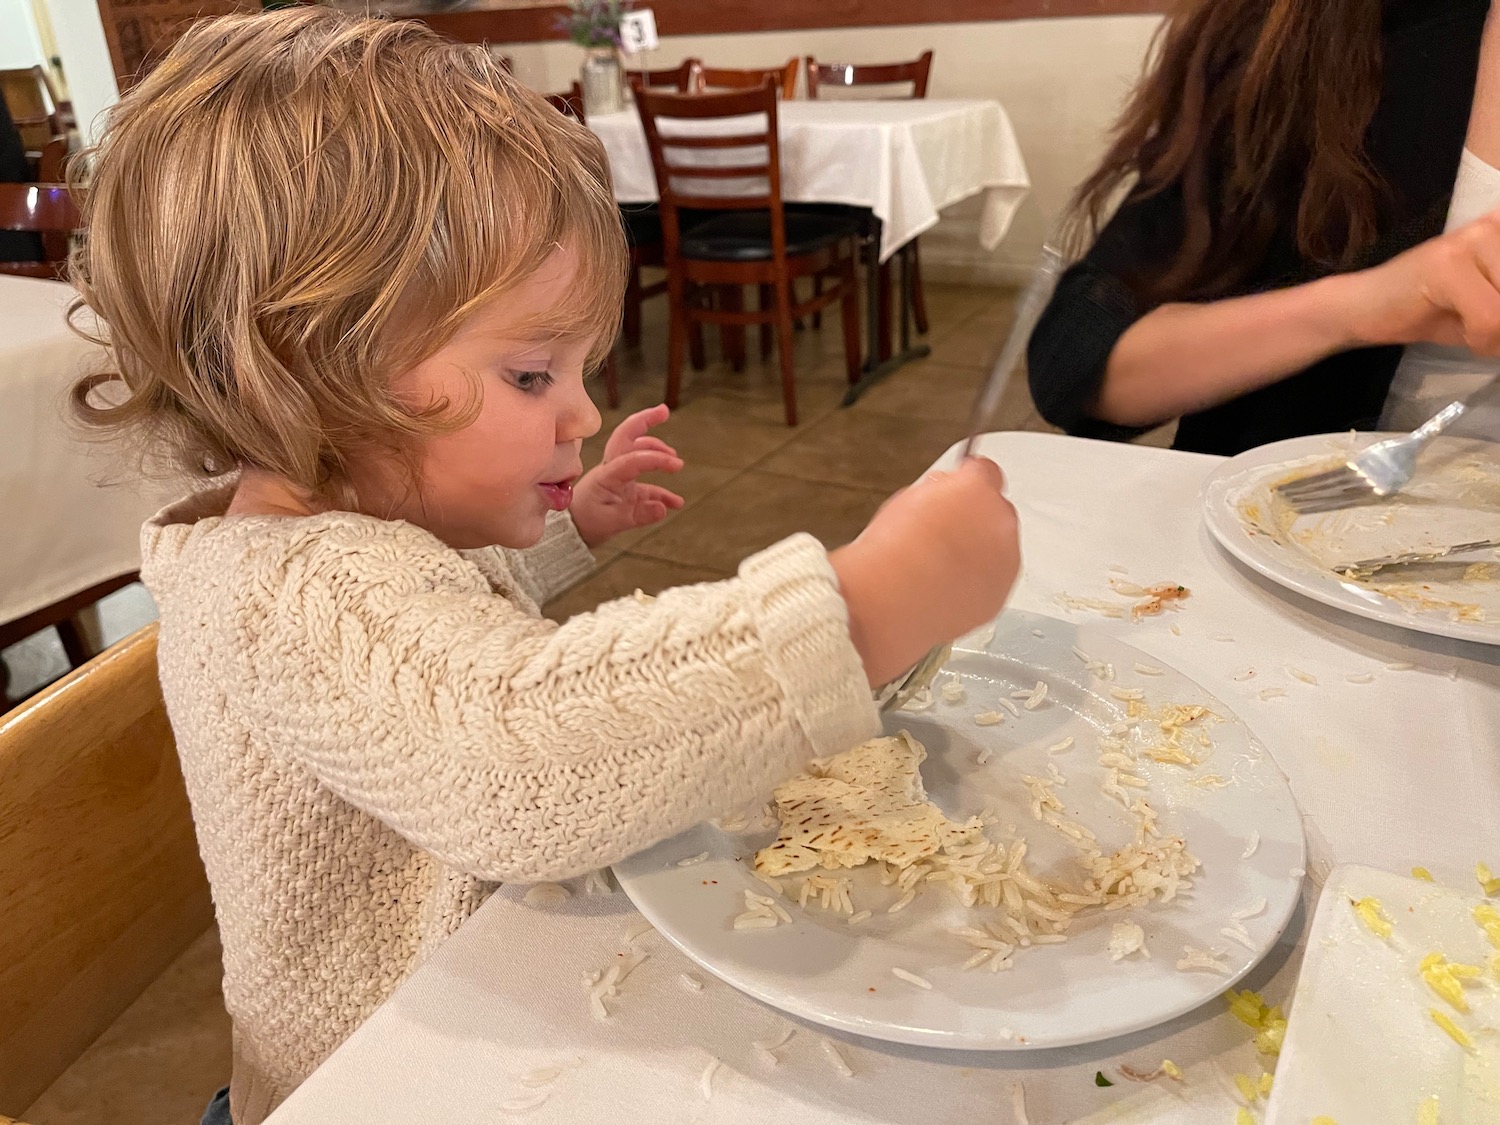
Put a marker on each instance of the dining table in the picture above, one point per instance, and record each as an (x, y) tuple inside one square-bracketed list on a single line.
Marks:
[(1388, 738), (73, 508), (903, 162)]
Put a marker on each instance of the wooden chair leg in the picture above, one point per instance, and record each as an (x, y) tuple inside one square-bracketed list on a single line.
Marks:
[(611, 381), (850, 306), (817, 317), (679, 320), (883, 321), (631, 329), (918, 297), (73, 644), (732, 336), (784, 344), (697, 351), (767, 302)]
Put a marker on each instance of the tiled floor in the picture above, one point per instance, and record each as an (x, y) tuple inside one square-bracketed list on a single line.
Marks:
[(750, 480)]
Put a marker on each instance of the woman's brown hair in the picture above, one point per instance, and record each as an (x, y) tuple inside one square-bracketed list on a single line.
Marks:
[(1254, 111), (294, 208)]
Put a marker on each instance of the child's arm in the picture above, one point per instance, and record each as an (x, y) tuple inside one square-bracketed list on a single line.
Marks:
[(516, 749), (557, 562)]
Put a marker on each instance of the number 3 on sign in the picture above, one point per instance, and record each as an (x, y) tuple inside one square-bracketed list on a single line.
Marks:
[(638, 31)]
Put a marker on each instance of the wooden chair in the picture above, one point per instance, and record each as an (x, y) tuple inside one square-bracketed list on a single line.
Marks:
[(99, 871), (751, 240), (44, 209), (851, 75), (678, 79), (706, 78), (49, 164), (34, 106)]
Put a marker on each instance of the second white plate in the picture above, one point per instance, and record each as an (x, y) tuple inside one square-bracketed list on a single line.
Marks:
[(1236, 812)]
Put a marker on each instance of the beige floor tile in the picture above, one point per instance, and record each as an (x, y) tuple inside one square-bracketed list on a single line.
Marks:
[(623, 576), (755, 510), (927, 390), (160, 1062), (864, 449)]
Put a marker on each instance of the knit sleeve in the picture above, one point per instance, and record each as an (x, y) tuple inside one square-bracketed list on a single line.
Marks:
[(1094, 306), (557, 562), (517, 749)]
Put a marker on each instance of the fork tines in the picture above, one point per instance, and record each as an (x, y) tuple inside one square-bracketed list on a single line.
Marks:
[(1343, 487)]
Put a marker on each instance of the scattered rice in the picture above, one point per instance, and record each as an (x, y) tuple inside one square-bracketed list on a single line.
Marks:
[(525, 1102), (706, 1082), (1011, 707), (953, 692), (768, 880), (1362, 678), (773, 1044), (1272, 693), (1256, 907), (1176, 629), (1018, 1103), (1299, 674), (546, 894), (984, 756), (1225, 637), (1297, 872), (637, 930), (1237, 932), (692, 859), (597, 882), (1247, 674), (1127, 589), (1038, 633), (771, 1058), (1203, 960), (859, 916), (762, 912), (642, 597), (1127, 694), (903, 902), (1059, 747), (911, 978), (1037, 696), (1400, 666), (987, 718), (1118, 569), (690, 981), (1095, 605), (541, 1076), (1149, 670), (1252, 846), (840, 1064), (1126, 938), (983, 637), (921, 700), (1085, 657)]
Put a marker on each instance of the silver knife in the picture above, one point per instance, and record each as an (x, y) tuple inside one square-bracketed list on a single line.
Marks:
[(1029, 306), (1370, 566)]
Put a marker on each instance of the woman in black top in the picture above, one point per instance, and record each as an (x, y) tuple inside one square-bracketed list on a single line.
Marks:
[(1287, 166)]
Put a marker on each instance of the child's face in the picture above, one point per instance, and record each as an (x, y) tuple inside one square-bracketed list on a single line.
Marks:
[(493, 482)]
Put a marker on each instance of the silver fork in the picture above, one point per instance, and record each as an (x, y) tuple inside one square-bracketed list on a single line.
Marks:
[(1383, 469)]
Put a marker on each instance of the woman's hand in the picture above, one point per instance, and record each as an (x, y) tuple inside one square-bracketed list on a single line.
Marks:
[(611, 498), (1445, 291)]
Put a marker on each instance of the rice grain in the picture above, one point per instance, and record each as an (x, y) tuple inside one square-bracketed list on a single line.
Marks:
[(911, 978)]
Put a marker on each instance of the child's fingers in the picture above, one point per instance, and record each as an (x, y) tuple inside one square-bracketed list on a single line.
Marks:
[(630, 431), (627, 466), (649, 511), (658, 494), (655, 443)]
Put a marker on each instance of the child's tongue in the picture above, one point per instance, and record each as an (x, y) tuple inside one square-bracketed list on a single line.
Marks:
[(559, 494)]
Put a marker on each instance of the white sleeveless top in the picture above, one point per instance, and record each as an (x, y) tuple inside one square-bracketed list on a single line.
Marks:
[(1430, 376)]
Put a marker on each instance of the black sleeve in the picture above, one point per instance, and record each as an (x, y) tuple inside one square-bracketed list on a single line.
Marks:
[(1092, 308)]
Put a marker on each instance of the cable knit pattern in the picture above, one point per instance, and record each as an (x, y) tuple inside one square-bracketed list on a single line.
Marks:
[(375, 729)]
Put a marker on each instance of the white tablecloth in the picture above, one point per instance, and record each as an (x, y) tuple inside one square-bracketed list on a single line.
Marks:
[(66, 527), (904, 160), (1402, 771)]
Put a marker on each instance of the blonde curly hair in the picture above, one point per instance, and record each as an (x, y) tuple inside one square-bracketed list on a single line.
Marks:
[(297, 206)]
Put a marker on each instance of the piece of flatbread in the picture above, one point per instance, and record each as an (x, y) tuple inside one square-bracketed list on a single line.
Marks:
[(865, 804)]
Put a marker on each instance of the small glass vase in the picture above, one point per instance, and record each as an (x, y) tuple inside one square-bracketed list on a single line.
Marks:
[(603, 82)]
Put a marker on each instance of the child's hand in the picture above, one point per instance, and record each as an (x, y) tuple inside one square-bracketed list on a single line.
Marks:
[(610, 499), (937, 560)]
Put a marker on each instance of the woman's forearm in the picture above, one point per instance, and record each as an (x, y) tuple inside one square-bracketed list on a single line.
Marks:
[(1182, 358)]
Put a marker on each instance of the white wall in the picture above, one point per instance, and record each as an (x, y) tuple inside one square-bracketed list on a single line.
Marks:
[(1060, 80), (20, 46), (85, 59)]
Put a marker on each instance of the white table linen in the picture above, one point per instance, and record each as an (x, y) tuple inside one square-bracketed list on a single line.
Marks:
[(1401, 771), (904, 160), (72, 514)]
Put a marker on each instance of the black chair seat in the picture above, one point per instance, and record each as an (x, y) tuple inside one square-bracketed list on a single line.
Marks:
[(745, 236), (642, 223)]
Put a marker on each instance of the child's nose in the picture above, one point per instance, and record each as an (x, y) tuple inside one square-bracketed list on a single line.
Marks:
[(582, 418)]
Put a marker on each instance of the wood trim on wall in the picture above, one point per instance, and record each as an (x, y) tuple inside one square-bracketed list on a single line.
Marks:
[(526, 22)]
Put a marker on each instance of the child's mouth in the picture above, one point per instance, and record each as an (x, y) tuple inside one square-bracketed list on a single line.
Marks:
[(559, 494)]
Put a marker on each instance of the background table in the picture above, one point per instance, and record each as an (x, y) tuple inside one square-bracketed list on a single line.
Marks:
[(1398, 772), (903, 160), (73, 515)]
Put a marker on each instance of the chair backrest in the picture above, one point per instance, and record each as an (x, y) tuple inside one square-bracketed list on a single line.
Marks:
[(33, 105), (688, 175), (52, 163), (101, 887), (706, 78), (677, 78), (570, 101), (879, 74), (48, 210)]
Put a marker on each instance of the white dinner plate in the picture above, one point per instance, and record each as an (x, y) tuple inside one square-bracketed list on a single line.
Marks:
[(1455, 498), (1361, 1046), (1236, 813)]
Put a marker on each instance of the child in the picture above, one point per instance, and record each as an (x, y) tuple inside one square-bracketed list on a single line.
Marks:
[(353, 274)]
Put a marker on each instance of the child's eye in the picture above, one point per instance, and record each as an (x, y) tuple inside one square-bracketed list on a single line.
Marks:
[(532, 381)]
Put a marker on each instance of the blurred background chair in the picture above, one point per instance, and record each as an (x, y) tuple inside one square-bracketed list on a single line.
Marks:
[(744, 235), (676, 79), (710, 78), (48, 212)]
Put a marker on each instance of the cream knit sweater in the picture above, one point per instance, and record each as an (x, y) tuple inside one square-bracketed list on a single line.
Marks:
[(375, 729)]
